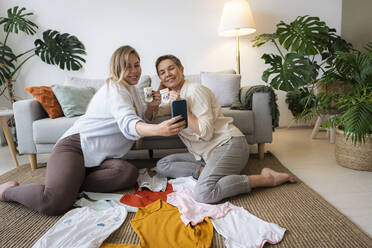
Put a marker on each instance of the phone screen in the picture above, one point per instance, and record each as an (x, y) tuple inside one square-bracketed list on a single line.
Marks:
[(179, 107)]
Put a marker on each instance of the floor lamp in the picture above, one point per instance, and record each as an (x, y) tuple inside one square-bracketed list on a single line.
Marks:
[(237, 20)]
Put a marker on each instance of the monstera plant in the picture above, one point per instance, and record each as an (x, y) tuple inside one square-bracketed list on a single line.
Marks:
[(63, 50), (305, 49)]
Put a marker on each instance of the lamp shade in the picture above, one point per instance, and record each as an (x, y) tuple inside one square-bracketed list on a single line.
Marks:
[(236, 19)]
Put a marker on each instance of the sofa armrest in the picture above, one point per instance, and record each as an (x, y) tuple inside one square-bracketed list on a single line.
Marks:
[(25, 113), (262, 117)]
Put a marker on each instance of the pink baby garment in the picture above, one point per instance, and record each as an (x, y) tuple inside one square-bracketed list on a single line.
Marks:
[(193, 211)]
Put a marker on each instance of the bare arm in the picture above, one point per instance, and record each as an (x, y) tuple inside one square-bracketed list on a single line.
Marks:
[(165, 128)]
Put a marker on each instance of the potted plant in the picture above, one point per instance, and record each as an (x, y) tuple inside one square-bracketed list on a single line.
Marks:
[(305, 48), (352, 107), (63, 50)]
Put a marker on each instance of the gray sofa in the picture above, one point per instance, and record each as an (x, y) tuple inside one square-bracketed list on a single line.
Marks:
[(37, 133)]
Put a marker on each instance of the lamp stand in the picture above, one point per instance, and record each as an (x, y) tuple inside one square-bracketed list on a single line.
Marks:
[(237, 51)]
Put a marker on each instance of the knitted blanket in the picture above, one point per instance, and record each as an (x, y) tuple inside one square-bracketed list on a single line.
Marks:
[(246, 95)]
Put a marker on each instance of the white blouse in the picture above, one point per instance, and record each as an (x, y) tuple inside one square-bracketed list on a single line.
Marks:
[(215, 128), (108, 128)]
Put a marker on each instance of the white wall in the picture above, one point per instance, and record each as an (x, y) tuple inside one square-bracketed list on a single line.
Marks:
[(187, 29)]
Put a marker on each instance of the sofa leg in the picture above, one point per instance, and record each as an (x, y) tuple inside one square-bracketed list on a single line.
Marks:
[(151, 153), (33, 161), (261, 151)]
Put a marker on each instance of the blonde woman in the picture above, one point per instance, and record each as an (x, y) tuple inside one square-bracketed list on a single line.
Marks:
[(87, 155)]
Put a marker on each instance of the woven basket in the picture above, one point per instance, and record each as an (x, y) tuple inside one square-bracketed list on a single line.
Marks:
[(358, 157)]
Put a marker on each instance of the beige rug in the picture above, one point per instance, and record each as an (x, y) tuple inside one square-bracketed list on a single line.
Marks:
[(309, 219)]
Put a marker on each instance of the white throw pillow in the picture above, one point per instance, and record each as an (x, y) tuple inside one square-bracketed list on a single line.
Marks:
[(224, 86), (84, 82)]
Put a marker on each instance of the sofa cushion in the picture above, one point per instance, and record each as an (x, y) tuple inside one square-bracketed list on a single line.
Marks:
[(73, 100), (50, 130), (45, 96), (84, 82), (145, 81), (224, 86), (243, 119)]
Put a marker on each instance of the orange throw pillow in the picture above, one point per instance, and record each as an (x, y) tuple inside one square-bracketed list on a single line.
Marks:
[(45, 96)]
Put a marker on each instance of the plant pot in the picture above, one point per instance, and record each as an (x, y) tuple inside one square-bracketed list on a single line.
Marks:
[(357, 157)]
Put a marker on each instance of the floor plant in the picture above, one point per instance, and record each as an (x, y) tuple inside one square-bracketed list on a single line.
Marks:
[(305, 49), (55, 48)]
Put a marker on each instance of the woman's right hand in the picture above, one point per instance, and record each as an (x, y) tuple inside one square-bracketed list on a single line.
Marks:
[(170, 127), (156, 101)]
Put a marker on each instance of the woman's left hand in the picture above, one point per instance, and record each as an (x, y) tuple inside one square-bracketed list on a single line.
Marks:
[(174, 95)]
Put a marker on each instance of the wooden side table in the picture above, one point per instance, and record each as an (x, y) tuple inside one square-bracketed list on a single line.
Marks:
[(9, 139), (331, 132)]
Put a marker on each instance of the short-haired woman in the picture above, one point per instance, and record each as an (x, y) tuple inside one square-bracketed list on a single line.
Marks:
[(213, 142)]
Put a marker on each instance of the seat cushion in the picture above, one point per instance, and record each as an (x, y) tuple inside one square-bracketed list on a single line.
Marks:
[(50, 130), (243, 119)]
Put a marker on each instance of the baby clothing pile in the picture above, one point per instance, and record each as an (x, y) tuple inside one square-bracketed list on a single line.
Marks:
[(166, 216)]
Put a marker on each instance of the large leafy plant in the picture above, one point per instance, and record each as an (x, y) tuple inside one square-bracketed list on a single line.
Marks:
[(354, 105), (306, 48), (63, 50)]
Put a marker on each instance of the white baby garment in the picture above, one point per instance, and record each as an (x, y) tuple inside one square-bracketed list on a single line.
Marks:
[(101, 200), (84, 227), (154, 183), (244, 230), (183, 182)]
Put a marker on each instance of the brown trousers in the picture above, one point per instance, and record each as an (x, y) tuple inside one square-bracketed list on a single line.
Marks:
[(66, 175)]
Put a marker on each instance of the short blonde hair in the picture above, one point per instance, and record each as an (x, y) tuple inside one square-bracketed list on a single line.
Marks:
[(119, 64)]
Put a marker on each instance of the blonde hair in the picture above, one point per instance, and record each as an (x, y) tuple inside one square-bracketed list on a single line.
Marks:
[(119, 64), (119, 67)]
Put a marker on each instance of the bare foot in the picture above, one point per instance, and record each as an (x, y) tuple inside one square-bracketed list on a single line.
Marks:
[(277, 178), (6, 186)]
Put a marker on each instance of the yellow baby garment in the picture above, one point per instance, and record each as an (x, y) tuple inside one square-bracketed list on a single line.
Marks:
[(159, 225)]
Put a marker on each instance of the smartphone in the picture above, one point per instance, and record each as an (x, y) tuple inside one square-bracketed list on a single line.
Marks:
[(179, 107)]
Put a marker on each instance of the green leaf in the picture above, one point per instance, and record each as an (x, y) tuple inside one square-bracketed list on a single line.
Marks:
[(261, 39), (60, 49), (306, 35), (18, 21), (7, 66), (288, 74), (357, 122)]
